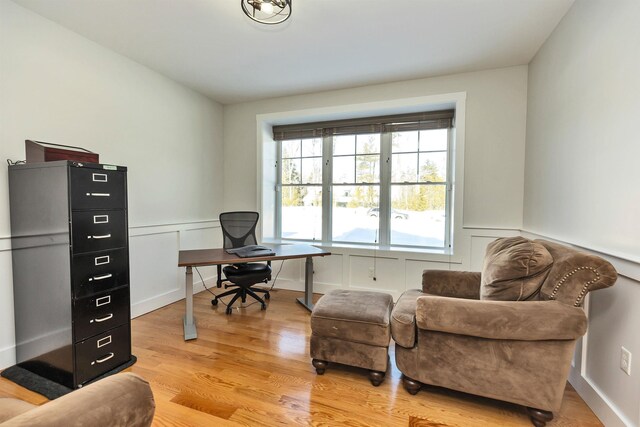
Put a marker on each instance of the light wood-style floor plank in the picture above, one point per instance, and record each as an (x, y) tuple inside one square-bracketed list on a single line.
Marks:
[(252, 368)]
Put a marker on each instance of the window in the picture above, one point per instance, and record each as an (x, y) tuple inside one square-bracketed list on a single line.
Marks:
[(355, 187), (301, 189), (419, 187), (381, 180)]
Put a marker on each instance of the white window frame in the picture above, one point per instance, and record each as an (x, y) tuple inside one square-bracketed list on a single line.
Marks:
[(384, 204), (268, 151)]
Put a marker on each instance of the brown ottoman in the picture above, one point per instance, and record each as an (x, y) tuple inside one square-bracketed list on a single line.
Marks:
[(352, 328)]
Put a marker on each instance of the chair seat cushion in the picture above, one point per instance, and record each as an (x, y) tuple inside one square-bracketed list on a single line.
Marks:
[(248, 272), (514, 269), (355, 316)]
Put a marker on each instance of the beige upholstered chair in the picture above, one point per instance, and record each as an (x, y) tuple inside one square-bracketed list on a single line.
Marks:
[(121, 400), (508, 333)]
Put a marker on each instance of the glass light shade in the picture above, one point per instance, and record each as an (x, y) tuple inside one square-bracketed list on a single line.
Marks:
[(267, 11)]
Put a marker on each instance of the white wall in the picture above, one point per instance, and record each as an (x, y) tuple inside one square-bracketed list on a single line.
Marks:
[(582, 176), (495, 133), (493, 172), (59, 87)]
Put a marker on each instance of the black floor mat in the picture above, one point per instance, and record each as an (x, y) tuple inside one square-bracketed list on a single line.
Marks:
[(49, 389)]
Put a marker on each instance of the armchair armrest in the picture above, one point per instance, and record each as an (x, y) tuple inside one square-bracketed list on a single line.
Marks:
[(456, 284), (403, 318), (118, 400), (507, 320)]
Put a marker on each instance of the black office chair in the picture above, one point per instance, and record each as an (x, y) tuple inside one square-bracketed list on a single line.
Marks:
[(239, 229)]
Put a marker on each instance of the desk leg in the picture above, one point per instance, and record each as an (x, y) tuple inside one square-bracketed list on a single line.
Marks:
[(307, 301), (190, 332)]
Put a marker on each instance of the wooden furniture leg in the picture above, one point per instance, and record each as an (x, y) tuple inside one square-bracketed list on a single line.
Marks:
[(320, 365), (411, 385), (539, 418)]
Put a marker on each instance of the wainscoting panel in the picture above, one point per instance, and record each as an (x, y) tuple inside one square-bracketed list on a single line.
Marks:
[(414, 269), (7, 331), (480, 238), (290, 269), (328, 270), (478, 249), (201, 238), (377, 274), (156, 279), (154, 275)]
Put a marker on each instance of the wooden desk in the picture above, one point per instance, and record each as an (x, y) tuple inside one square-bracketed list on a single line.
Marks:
[(205, 257)]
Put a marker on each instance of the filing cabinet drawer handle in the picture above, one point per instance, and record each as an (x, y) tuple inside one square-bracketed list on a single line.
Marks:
[(103, 301), (99, 194), (103, 341), (101, 260), (104, 359), (103, 319), (99, 177), (102, 236), (104, 276), (101, 219)]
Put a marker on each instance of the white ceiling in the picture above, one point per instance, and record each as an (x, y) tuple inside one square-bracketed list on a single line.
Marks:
[(212, 47)]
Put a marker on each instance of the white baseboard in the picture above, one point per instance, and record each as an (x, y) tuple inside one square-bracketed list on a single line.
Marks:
[(604, 409), (155, 302), (7, 357)]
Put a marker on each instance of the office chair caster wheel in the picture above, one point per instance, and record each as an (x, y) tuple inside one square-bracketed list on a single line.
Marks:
[(263, 307), (267, 296), (229, 310), (214, 301)]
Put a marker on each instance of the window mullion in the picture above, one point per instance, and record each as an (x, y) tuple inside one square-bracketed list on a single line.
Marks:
[(327, 179), (384, 231), (278, 192), (449, 192)]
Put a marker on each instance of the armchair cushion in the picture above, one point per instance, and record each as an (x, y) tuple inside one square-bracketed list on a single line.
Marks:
[(506, 320), (514, 269)]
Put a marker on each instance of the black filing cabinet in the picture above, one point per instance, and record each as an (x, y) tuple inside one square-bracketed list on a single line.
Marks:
[(70, 256)]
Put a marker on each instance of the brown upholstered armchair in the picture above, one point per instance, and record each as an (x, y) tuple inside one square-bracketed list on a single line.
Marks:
[(121, 400), (508, 333)]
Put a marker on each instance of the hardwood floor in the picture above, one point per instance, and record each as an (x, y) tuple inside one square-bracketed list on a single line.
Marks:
[(252, 368)]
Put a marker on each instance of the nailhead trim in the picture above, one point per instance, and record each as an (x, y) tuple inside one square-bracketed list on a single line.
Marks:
[(585, 288)]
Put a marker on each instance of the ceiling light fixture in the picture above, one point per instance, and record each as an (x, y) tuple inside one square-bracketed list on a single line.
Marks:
[(267, 11)]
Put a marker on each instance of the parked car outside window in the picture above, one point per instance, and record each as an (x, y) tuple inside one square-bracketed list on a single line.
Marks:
[(394, 213)]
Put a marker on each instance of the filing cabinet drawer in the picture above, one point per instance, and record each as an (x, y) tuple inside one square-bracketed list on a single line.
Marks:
[(101, 353), (98, 230), (100, 313), (97, 189), (99, 271)]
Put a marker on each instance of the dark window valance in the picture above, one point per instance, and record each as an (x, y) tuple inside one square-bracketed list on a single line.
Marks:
[(396, 123)]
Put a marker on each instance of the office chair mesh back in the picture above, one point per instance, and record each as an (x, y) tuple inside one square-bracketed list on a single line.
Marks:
[(239, 228)]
